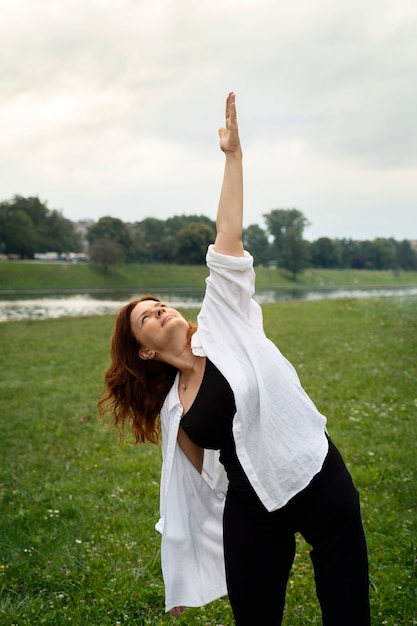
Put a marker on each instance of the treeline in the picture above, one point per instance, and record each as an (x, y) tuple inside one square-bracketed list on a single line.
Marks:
[(27, 227)]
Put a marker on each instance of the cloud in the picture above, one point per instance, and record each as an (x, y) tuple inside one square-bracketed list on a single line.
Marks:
[(113, 107)]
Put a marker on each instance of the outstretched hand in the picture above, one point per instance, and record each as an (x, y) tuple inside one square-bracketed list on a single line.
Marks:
[(229, 136)]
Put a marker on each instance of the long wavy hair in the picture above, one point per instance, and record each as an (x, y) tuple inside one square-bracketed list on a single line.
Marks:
[(135, 388)]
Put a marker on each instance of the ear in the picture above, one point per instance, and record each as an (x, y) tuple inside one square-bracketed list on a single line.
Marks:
[(146, 354)]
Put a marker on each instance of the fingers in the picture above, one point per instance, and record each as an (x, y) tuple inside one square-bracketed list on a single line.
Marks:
[(229, 135), (230, 108)]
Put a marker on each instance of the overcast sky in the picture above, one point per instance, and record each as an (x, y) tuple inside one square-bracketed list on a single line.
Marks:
[(112, 108)]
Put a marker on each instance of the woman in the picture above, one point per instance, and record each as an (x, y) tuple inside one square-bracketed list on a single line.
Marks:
[(247, 462)]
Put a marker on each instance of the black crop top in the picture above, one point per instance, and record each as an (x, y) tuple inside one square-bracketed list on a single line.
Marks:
[(208, 423)]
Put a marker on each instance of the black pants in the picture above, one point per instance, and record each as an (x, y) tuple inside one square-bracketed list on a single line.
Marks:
[(260, 549)]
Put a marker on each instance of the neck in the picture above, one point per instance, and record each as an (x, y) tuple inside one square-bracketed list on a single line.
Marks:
[(186, 373)]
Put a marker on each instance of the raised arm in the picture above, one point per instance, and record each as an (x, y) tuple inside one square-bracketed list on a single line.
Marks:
[(230, 210)]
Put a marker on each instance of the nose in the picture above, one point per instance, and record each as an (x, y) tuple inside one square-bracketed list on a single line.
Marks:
[(160, 310)]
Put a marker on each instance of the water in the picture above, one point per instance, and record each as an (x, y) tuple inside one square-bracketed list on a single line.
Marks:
[(78, 305), (269, 296)]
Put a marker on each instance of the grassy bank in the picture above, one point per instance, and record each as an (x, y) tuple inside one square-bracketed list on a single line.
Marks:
[(30, 275), (77, 544)]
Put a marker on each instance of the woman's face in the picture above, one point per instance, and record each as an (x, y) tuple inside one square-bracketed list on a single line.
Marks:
[(157, 327)]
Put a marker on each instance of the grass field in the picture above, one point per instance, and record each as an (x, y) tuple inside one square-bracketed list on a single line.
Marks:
[(18, 276), (77, 539)]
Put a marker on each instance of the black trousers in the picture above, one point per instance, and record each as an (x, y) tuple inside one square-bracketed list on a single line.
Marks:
[(260, 549)]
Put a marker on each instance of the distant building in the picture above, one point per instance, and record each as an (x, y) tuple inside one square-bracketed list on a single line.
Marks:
[(81, 227)]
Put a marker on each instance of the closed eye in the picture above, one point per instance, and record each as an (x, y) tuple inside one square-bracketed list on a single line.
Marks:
[(145, 315)]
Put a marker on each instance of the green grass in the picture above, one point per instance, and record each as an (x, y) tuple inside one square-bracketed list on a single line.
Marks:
[(87, 276), (77, 539), (30, 275)]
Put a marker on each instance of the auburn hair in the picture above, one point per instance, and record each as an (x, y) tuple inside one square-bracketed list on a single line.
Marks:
[(135, 388)]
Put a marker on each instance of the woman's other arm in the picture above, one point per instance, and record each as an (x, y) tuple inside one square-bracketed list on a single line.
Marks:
[(230, 210)]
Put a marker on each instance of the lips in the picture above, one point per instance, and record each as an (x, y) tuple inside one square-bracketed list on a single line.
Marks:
[(166, 318)]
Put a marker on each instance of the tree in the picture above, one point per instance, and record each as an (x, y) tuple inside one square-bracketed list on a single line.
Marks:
[(152, 229), (379, 253), (348, 248), (160, 235), (57, 234), (358, 262), (191, 243), (293, 254), (406, 255), (256, 242), (287, 228), (156, 243), (141, 250), (17, 233), (111, 229), (107, 252), (37, 210), (174, 224), (28, 226), (324, 253)]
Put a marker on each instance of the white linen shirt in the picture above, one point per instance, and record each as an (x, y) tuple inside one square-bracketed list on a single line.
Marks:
[(279, 435)]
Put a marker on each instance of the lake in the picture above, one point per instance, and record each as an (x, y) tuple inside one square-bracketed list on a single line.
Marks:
[(35, 307)]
